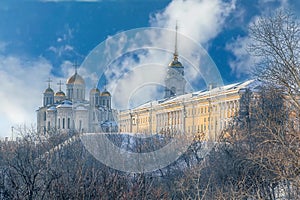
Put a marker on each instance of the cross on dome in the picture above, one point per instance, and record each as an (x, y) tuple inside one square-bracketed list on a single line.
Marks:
[(76, 65), (49, 82), (60, 84)]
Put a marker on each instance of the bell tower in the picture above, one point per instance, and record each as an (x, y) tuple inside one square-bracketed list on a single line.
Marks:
[(48, 95), (174, 81)]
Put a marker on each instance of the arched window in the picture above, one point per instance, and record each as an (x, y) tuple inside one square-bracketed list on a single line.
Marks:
[(173, 91)]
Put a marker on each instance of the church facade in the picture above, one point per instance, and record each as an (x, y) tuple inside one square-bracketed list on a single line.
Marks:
[(72, 112)]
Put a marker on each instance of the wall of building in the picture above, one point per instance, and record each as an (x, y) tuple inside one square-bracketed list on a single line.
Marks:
[(203, 114)]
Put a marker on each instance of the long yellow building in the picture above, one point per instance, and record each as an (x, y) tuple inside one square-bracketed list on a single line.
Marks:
[(203, 113)]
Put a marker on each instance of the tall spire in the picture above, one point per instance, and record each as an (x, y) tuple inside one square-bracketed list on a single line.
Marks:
[(176, 50), (175, 62)]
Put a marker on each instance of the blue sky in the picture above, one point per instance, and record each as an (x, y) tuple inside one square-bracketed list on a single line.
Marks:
[(41, 39)]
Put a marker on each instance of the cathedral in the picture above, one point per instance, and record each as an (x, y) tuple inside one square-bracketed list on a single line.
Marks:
[(70, 111)]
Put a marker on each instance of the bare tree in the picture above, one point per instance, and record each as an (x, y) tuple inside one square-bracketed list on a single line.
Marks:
[(276, 45)]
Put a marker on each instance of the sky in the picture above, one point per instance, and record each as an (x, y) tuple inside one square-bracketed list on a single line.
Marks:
[(43, 38)]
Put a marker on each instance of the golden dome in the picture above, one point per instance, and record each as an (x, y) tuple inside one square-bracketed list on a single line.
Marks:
[(49, 90), (95, 90), (60, 94), (105, 93), (76, 79), (175, 63)]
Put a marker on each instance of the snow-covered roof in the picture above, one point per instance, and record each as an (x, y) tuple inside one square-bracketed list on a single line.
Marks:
[(52, 108), (251, 84), (65, 104)]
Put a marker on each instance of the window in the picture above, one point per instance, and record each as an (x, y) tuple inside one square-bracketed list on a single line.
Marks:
[(173, 91), (58, 125), (68, 123), (63, 123)]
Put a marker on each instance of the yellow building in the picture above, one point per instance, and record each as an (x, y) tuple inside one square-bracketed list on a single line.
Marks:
[(203, 113)]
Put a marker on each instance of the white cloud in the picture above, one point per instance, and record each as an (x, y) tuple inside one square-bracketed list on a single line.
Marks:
[(22, 83), (62, 50), (243, 63), (201, 20), (198, 20)]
